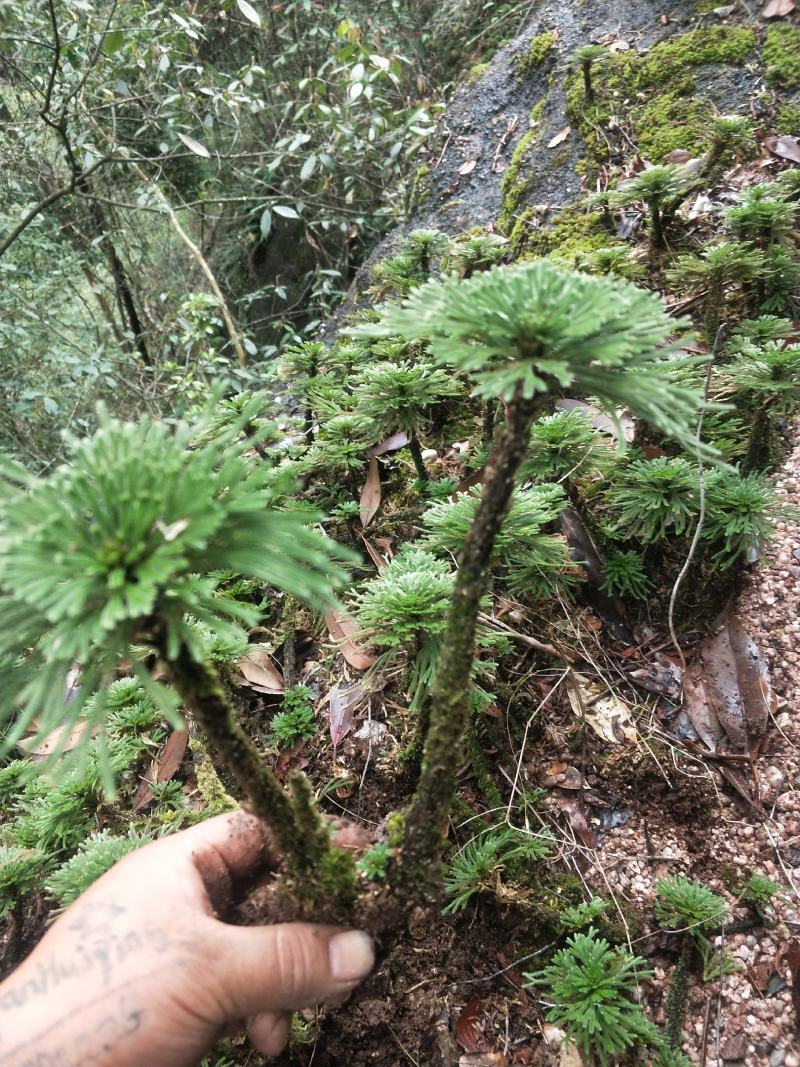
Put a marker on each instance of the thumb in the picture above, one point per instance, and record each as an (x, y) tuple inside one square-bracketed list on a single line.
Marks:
[(288, 966)]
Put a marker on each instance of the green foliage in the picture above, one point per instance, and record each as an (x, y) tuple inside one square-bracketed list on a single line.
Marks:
[(762, 215), (475, 867), (564, 445), (537, 328), (663, 186), (535, 562), (585, 914), (295, 721), (341, 446), (130, 538), (728, 263), (618, 260), (374, 862), (758, 892), (732, 133), (651, 498), (741, 511), (761, 330), (683, 904), (19, 874), (466, 255), (624, 576), (95, 855), (408, 602), (768, 373), (592, 986), (400, 396)]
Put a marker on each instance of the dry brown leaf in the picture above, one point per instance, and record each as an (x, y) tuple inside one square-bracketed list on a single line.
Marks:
[(484, 1059), (560, 137), (164, 765), (342, 704), (677, 155), (343, 629), (775, 9), (571, 806), (389, 444), (606, 713), (260, 673), (374, 555), (371, 494), (467, 483), (699, 707), (467, 1026), (468, 167), (784, 146), (63, 739)]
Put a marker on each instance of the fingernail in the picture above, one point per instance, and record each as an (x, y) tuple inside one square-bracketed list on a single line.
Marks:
[(351, 956)]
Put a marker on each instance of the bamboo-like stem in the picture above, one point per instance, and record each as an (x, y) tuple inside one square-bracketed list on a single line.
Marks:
[(418, 861)]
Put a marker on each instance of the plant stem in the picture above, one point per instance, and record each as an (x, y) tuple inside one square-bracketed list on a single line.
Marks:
[(200, 688), (757, 455), (419, 463), (676, 995), (658, 228), (418, 861), (588, 88)]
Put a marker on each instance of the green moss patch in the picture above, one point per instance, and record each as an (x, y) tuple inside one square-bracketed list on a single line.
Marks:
[(572, 230), (672, 121), (788, 119), (536, 53), (782, 56)]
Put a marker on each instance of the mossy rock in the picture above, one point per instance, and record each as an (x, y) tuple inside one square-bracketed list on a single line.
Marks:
[(537, 51), (781, 55)]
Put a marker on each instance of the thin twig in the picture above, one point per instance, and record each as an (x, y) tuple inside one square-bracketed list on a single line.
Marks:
[(719, 340)]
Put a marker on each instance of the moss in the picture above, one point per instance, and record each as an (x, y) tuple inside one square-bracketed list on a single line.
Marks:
[(516, 182), (788, 118), (217, 798), (781, 56), (475, 73), (671, 121), (535, 54), (709, 44), (573, 230)]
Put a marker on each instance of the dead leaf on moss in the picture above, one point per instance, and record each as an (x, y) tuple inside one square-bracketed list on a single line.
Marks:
[(784, 146), (560, 137), (370, 494), (259, 671), (343, 628)]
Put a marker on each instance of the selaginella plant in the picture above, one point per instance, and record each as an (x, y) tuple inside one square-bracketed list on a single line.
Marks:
[(591, 986), (111, 562), (721, 270), (651, 498), (401, 396), (767, 377), (477, 252), (585, 58), (661, 188), (524, 333)]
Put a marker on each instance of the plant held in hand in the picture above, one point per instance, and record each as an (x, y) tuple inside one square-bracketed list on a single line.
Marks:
[(118, 555)]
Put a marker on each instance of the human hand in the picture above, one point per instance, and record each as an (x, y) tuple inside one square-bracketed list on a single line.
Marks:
[(140, 971)]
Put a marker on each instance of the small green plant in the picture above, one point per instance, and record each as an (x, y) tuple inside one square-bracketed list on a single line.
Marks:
[(295, 721), (768, 377), (740, 516), (763, 216), (687, 905), (758, 892), (585, 58), (564, 446), (475, 868), (401, 396), (585, 914), (652, 498), (717, 270), (20, 868), (478, 252), (95, 855), (373, 864), (731, 134), (617, 260), (624, 576), (661, 188), (759, 331), (592, 986)]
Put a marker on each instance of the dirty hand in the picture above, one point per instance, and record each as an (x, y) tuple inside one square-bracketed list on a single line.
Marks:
[(140, 971)]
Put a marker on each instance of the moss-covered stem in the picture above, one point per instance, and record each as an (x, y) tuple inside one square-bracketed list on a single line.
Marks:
[(416, 455), (418, 861), (757, 455), (588, 88), (676, 995), (201, 689), (656, 222)]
